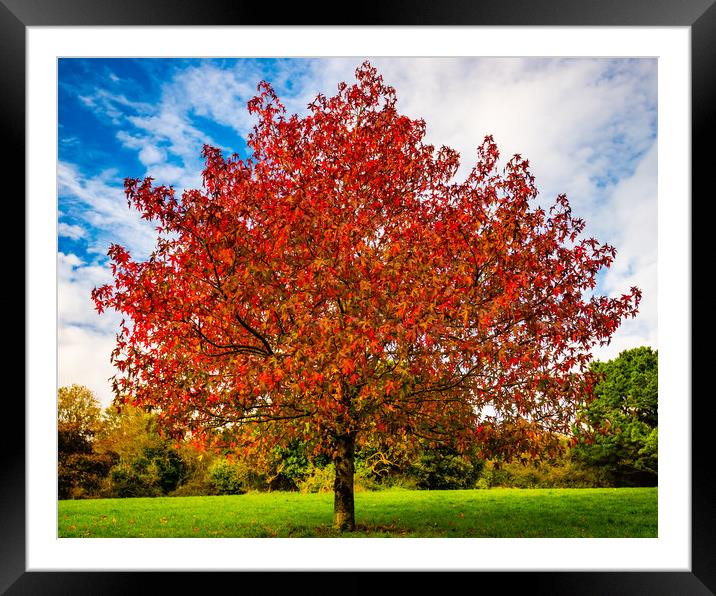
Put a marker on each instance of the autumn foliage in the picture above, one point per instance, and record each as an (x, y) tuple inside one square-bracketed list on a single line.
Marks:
[(340, 283)]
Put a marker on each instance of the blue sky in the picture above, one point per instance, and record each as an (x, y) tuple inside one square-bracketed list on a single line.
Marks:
[(588, 127)]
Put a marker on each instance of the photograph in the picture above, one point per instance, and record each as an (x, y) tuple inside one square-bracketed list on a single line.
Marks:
[(297, 290), (357, 297)]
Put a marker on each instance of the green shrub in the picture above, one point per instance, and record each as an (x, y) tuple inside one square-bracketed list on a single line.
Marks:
[(365, 478), (155, 471), (443, 469), (195, 481), (562, 473), (194, 487), (81, 475), (227, 477), (280, 482), (320, 480), (288, 467), (399, 481), (134, 479), (171, 469)]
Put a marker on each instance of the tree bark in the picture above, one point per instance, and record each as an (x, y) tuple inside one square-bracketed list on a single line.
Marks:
[(343, 506)]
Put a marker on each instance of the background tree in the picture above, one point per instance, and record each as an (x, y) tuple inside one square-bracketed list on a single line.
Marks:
[(618, 431), (444, 468), (339, 282), (79, 411), (146, 463), (80, 470)]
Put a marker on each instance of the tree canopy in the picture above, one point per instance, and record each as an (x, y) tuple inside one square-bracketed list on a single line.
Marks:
[(340, 282), (79, 418), (78, 408), (619, 430)]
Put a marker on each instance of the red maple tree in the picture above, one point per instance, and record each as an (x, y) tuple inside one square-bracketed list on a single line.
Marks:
[(339, 284)]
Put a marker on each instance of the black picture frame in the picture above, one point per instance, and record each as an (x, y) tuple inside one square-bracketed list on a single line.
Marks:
[(699, 15)]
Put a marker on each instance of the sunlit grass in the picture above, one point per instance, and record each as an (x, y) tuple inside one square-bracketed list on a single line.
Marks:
[(505, 513)]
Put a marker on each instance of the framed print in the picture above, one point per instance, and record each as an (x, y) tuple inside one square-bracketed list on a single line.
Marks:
[(654, 65)]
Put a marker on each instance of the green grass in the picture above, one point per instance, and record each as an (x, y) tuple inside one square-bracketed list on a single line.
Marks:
[(503, 513)]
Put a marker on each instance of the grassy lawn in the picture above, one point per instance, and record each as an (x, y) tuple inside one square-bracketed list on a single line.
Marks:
[(503, 513)]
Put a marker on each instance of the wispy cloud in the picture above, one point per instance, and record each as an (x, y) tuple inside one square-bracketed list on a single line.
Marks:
[(84, 339), (113, 105), (99, 204), (631, 215), (70, 231), (83, 358)]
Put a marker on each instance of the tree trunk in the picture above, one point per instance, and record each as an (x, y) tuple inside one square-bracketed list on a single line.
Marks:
[(343, 506)]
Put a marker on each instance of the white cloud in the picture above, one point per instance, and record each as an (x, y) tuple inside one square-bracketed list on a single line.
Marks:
[(85, 340), (75, 281), (215, 93), (563, 115), (150, 154), (83, 358), (100, 204), (631, 215), (176, 176), (70, 231), (183, 139)]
